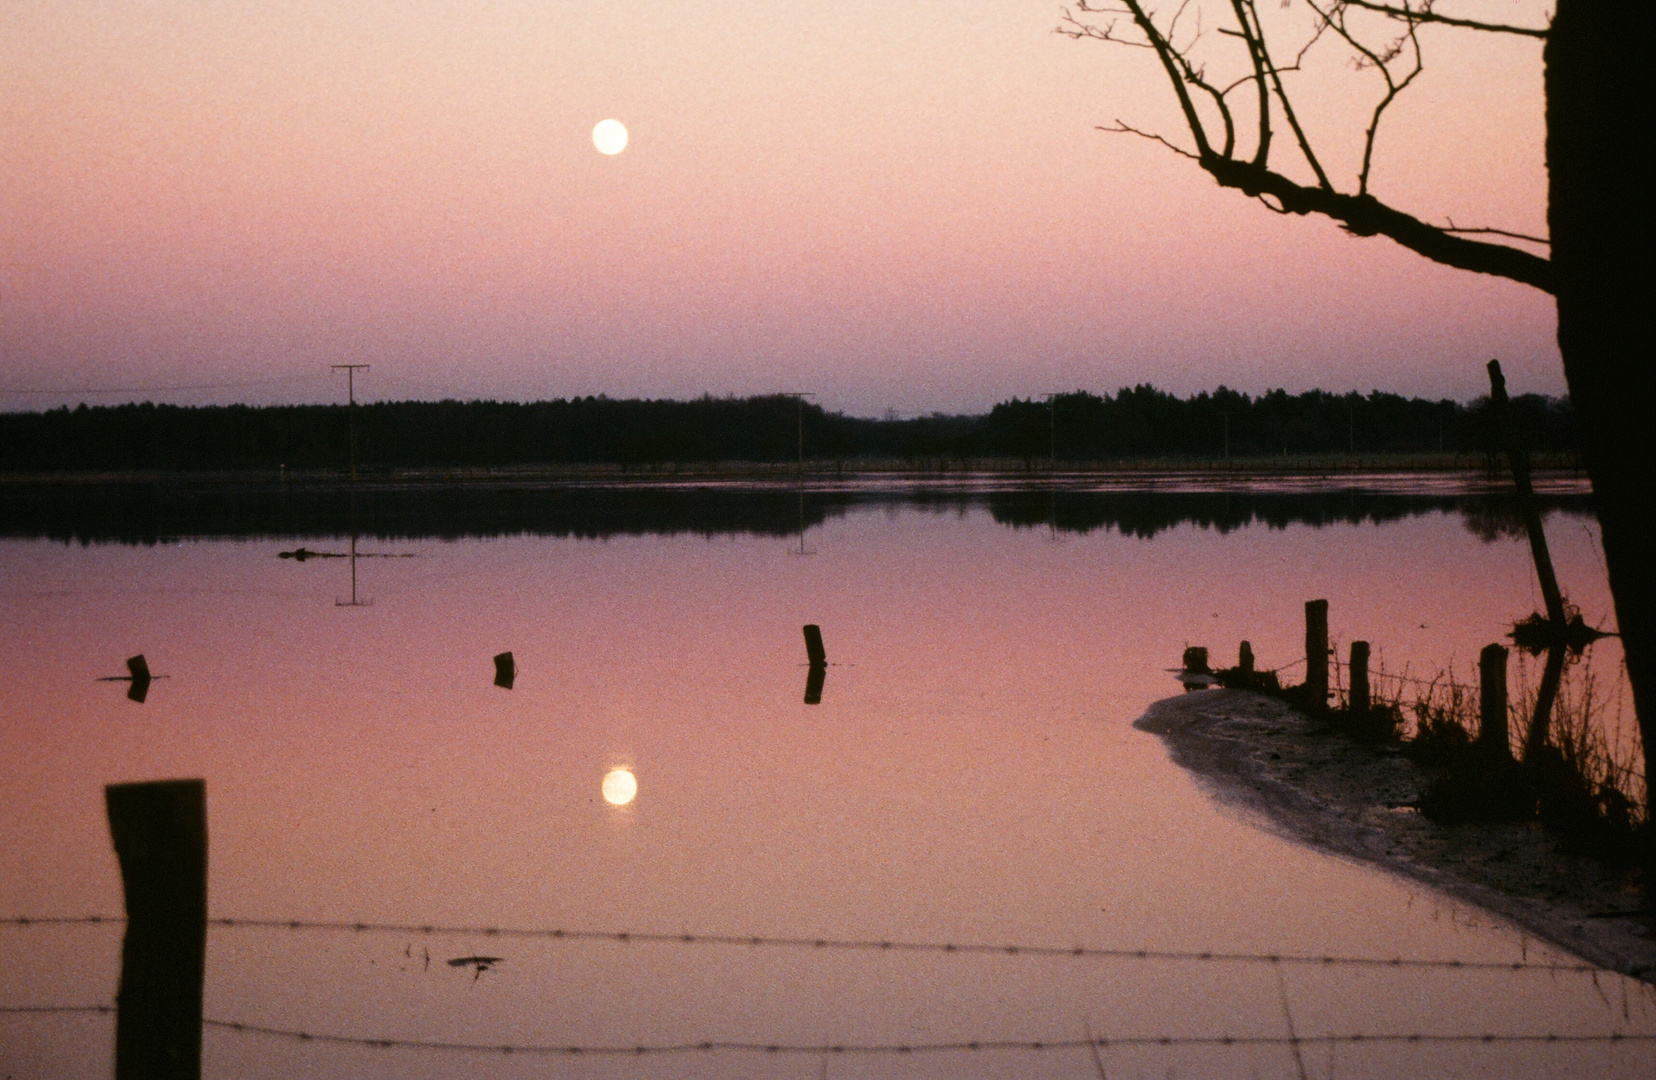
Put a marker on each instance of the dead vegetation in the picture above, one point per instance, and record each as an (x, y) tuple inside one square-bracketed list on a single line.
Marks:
[(1584, 784)]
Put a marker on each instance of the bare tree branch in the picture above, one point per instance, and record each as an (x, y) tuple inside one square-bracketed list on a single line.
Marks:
[(1256, 57), (1287, 106), (1071, 27), (1124, 129), (1334, 19), (1425, 14), (1359, 213), (1364, 215), (1498, 232)]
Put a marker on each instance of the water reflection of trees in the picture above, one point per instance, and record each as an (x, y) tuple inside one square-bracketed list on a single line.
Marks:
[(1144, 514), (148, 513)]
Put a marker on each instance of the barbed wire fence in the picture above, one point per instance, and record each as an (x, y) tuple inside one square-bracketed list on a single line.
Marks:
[(1276, 961), (628, 937)]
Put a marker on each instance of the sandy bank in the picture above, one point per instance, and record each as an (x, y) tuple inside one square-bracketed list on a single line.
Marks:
[(1317, 787)]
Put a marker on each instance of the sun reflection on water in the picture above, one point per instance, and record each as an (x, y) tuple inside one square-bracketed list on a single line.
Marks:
[(619, 787)]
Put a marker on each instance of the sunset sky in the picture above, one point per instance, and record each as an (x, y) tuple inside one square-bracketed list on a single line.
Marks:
[(894, 206)]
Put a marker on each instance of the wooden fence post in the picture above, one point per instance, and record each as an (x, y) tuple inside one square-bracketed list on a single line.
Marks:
[(1316, 653), (160, 835), (1244, 658), (1359, 703), (814, 651), (1492, 701)]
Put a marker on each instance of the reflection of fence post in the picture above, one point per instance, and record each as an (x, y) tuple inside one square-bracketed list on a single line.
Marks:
[(1492, 701), (160, 835), (1316, 653), (1359, 703)]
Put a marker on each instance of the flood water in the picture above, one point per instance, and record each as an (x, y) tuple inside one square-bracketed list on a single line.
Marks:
[(970, 776)]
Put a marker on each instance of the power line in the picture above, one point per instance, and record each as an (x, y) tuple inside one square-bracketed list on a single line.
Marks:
[(626, 937), (158, 389)]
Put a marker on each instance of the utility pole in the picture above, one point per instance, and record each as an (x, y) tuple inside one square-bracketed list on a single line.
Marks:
[(1052, 423), (800, 396), (350, 371), (1227, 435)]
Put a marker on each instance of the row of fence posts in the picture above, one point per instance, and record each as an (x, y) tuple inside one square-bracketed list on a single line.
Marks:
[(159, 831), (1492, 678)]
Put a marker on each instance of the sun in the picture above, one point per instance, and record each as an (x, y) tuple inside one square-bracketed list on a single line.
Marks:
[(610, 137), (619, 787)]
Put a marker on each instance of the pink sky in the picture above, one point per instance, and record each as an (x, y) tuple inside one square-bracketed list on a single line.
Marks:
[(893, 206)]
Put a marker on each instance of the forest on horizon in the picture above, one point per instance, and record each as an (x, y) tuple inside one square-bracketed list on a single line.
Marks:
[(1138, 422)]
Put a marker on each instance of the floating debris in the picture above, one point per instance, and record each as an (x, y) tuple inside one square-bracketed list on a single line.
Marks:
[(478, 964), (300, 554), (138, 674), (1195, 674), (1538, 633)]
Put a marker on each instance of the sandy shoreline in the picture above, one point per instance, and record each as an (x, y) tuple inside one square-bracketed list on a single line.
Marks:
[(1315, 786)]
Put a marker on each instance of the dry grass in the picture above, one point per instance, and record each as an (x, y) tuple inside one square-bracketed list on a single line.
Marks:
[(1586, 784)]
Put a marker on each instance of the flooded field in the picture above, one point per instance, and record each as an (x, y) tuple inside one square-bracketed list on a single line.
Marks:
[(790, 889)]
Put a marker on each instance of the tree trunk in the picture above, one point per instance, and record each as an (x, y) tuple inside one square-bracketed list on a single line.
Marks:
[(1599, 215)]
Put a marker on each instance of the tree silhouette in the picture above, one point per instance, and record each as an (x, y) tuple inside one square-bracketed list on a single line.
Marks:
[(1598, 112)]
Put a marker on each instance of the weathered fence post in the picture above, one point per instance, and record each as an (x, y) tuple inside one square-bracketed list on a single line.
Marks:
[(814, 651), (1359, 703), (160, 835), (1316, 653), (1244, 658), (1492, 701)]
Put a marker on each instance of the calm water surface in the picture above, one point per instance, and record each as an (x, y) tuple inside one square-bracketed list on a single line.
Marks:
[(970, 776)]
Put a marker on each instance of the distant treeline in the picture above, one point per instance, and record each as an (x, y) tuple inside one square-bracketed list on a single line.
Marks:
[(1139, 422)]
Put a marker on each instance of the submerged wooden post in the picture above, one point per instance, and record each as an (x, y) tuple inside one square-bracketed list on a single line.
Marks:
[(1518, 458), (160, 835), (1492, 701), (813, 646), (1359, 703), (1316, 653), (1244, 659)]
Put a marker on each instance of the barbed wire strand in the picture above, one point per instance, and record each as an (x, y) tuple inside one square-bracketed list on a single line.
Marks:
[(816, 1049), (1381, 673), (626, 937), (976, 1045)]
